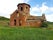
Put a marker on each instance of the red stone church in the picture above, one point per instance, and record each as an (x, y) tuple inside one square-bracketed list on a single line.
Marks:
[(21, 17)]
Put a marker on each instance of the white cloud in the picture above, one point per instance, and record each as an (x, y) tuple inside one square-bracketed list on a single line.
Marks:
[(8, 6), (51, 9), (43, 9), (35, 9), (50, 17)]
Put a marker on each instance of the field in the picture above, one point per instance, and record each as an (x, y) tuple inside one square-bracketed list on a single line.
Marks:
[(24, 33)]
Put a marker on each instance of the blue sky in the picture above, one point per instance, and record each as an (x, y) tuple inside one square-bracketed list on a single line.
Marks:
[(38, 7), (35, 2)]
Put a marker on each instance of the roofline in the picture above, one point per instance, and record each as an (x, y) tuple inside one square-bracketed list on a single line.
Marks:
[(23, 4)]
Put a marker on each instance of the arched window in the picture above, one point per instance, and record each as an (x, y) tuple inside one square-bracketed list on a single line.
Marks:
[(17, 12), (26, 7), (21, 8)]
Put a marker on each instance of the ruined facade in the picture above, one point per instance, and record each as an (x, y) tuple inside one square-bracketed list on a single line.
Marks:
[(22, 17)]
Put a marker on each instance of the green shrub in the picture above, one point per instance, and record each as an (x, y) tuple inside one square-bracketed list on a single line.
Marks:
[(44, 24)]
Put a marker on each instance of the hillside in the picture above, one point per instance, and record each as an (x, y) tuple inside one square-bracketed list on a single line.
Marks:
[(20, 33), (4, 21), (49, 22), (3, 18)]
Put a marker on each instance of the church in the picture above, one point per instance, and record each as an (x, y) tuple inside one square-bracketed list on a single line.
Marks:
[(21, 17)]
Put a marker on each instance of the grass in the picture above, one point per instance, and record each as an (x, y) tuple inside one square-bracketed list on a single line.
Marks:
[(20, 33)]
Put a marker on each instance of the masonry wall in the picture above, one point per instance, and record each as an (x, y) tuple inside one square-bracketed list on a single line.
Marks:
[(34, 23), (12, 18)]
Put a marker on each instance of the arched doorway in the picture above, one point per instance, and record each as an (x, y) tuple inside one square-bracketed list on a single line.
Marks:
[(14, 21), (20, 22)]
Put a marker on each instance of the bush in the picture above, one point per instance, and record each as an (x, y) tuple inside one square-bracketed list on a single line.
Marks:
[(44, 24)]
